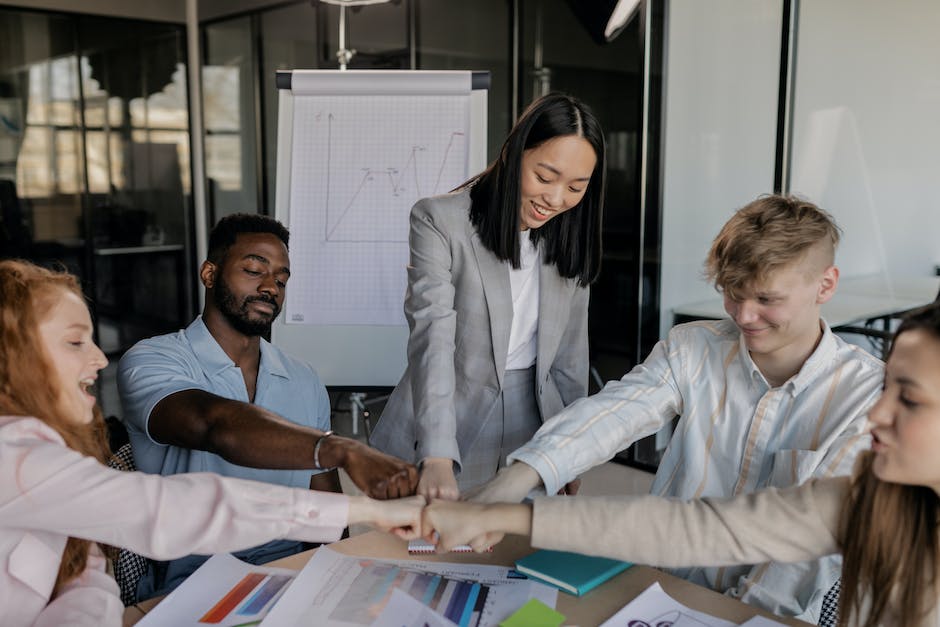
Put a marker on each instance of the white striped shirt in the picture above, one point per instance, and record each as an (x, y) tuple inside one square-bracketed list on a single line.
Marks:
[(735, 434)]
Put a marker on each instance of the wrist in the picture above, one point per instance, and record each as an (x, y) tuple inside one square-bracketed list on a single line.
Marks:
[(360, 510), (437, 462), (514, 518), (333, 450), (511, 484)]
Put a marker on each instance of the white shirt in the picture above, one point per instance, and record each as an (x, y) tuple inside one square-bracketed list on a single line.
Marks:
[(736, 434), (524, 283), (49, 492)]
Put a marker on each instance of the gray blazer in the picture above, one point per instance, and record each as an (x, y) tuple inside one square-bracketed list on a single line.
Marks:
[(459, 308)]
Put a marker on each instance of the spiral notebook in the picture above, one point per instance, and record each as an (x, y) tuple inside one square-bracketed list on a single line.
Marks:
[(423, 546)]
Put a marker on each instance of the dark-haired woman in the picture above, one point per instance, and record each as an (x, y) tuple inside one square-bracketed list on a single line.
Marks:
[(497, 301)]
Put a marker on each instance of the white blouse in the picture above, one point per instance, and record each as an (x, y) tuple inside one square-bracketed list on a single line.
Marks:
[(524, 282)]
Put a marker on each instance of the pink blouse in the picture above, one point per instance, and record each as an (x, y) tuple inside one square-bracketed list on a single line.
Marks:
[(49, 492)]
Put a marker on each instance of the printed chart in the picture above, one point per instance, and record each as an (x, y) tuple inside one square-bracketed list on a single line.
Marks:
[(460, 601), (247, 599), (224, 591), (335, 590)]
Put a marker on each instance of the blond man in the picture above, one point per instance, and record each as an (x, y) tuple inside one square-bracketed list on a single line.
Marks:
[(769, 397)]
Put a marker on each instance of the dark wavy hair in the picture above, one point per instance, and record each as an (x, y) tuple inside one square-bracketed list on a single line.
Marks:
[(227, 229), (889, 535), (572, 240)]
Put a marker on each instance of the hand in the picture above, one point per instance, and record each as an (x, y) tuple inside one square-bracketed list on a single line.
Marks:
[(511, 484), (437, 479), (571, 488), (401, 517), (455, 523), (379, 475)]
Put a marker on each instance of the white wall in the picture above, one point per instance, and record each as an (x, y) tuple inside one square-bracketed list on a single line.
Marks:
[(867, 129), (722, 67)]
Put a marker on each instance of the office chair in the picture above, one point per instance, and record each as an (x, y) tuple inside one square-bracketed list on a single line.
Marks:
[(829, 615)]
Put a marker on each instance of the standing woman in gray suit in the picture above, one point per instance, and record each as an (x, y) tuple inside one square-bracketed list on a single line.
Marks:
[(497, 301)]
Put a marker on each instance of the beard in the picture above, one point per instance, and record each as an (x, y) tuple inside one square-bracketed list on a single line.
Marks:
[(237, 313)]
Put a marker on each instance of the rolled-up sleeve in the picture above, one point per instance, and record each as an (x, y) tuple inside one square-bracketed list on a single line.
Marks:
[(595, 428), (147, 375)]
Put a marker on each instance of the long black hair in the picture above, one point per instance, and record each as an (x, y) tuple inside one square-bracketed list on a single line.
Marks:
[(572, 240)]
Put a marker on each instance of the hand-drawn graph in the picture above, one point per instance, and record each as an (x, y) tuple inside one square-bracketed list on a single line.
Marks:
[(359, 164), (371, 163), (393, 188)]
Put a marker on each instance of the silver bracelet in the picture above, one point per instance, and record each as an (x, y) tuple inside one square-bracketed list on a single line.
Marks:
[(316, 449)]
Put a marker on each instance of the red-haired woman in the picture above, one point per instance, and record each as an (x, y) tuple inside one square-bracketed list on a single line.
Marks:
[(58, 501)]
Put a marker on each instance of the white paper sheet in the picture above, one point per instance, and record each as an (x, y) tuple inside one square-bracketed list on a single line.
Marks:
[(224, 591), (403, 610), (654, 607), (760, 621), (335, 590)]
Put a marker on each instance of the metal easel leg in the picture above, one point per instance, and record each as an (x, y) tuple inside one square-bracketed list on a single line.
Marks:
[(356, 407)]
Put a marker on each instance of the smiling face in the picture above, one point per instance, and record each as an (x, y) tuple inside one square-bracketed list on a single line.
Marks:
[(906, 419), (555, 176), (779, 317), (249, 285), (66, 336)]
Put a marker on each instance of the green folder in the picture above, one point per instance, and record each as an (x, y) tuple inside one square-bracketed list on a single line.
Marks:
[(534, 613), (571, 572)]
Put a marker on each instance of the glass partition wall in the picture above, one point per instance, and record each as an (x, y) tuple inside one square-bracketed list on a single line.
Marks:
[(94, 166), (529, 47), (94, 146)]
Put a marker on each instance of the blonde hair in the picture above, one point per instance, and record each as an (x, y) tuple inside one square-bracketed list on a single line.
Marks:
[(29, 293), (765, 235)]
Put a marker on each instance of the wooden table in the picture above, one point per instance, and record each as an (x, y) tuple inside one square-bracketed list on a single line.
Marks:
[(591, 609)]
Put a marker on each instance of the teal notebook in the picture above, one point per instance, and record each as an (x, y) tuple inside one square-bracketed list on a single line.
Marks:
[(572, 572)]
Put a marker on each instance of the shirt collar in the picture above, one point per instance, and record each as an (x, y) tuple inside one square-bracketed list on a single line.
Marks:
[(213, 359), (822, 355)]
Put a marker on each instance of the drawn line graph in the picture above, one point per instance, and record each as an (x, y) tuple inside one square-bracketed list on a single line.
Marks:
[(370, 203)]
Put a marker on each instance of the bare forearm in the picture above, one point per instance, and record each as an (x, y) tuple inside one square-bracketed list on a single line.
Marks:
[(240, 433), (251, 436), (514, 518), (510, 485)]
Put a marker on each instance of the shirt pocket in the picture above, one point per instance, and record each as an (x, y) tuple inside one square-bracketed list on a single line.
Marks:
[(793, 466), (34, 565)]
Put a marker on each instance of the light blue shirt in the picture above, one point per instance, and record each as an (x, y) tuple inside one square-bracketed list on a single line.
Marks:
[(191, 359)]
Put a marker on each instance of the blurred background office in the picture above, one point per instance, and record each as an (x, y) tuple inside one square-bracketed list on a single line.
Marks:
[(128, 129)]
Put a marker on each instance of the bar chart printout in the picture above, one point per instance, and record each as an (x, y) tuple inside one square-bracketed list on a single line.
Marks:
[(342, 591), (247, 599), (223, 592)]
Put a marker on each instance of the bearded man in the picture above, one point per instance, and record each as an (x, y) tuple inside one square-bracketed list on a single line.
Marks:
[(218, 397)]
